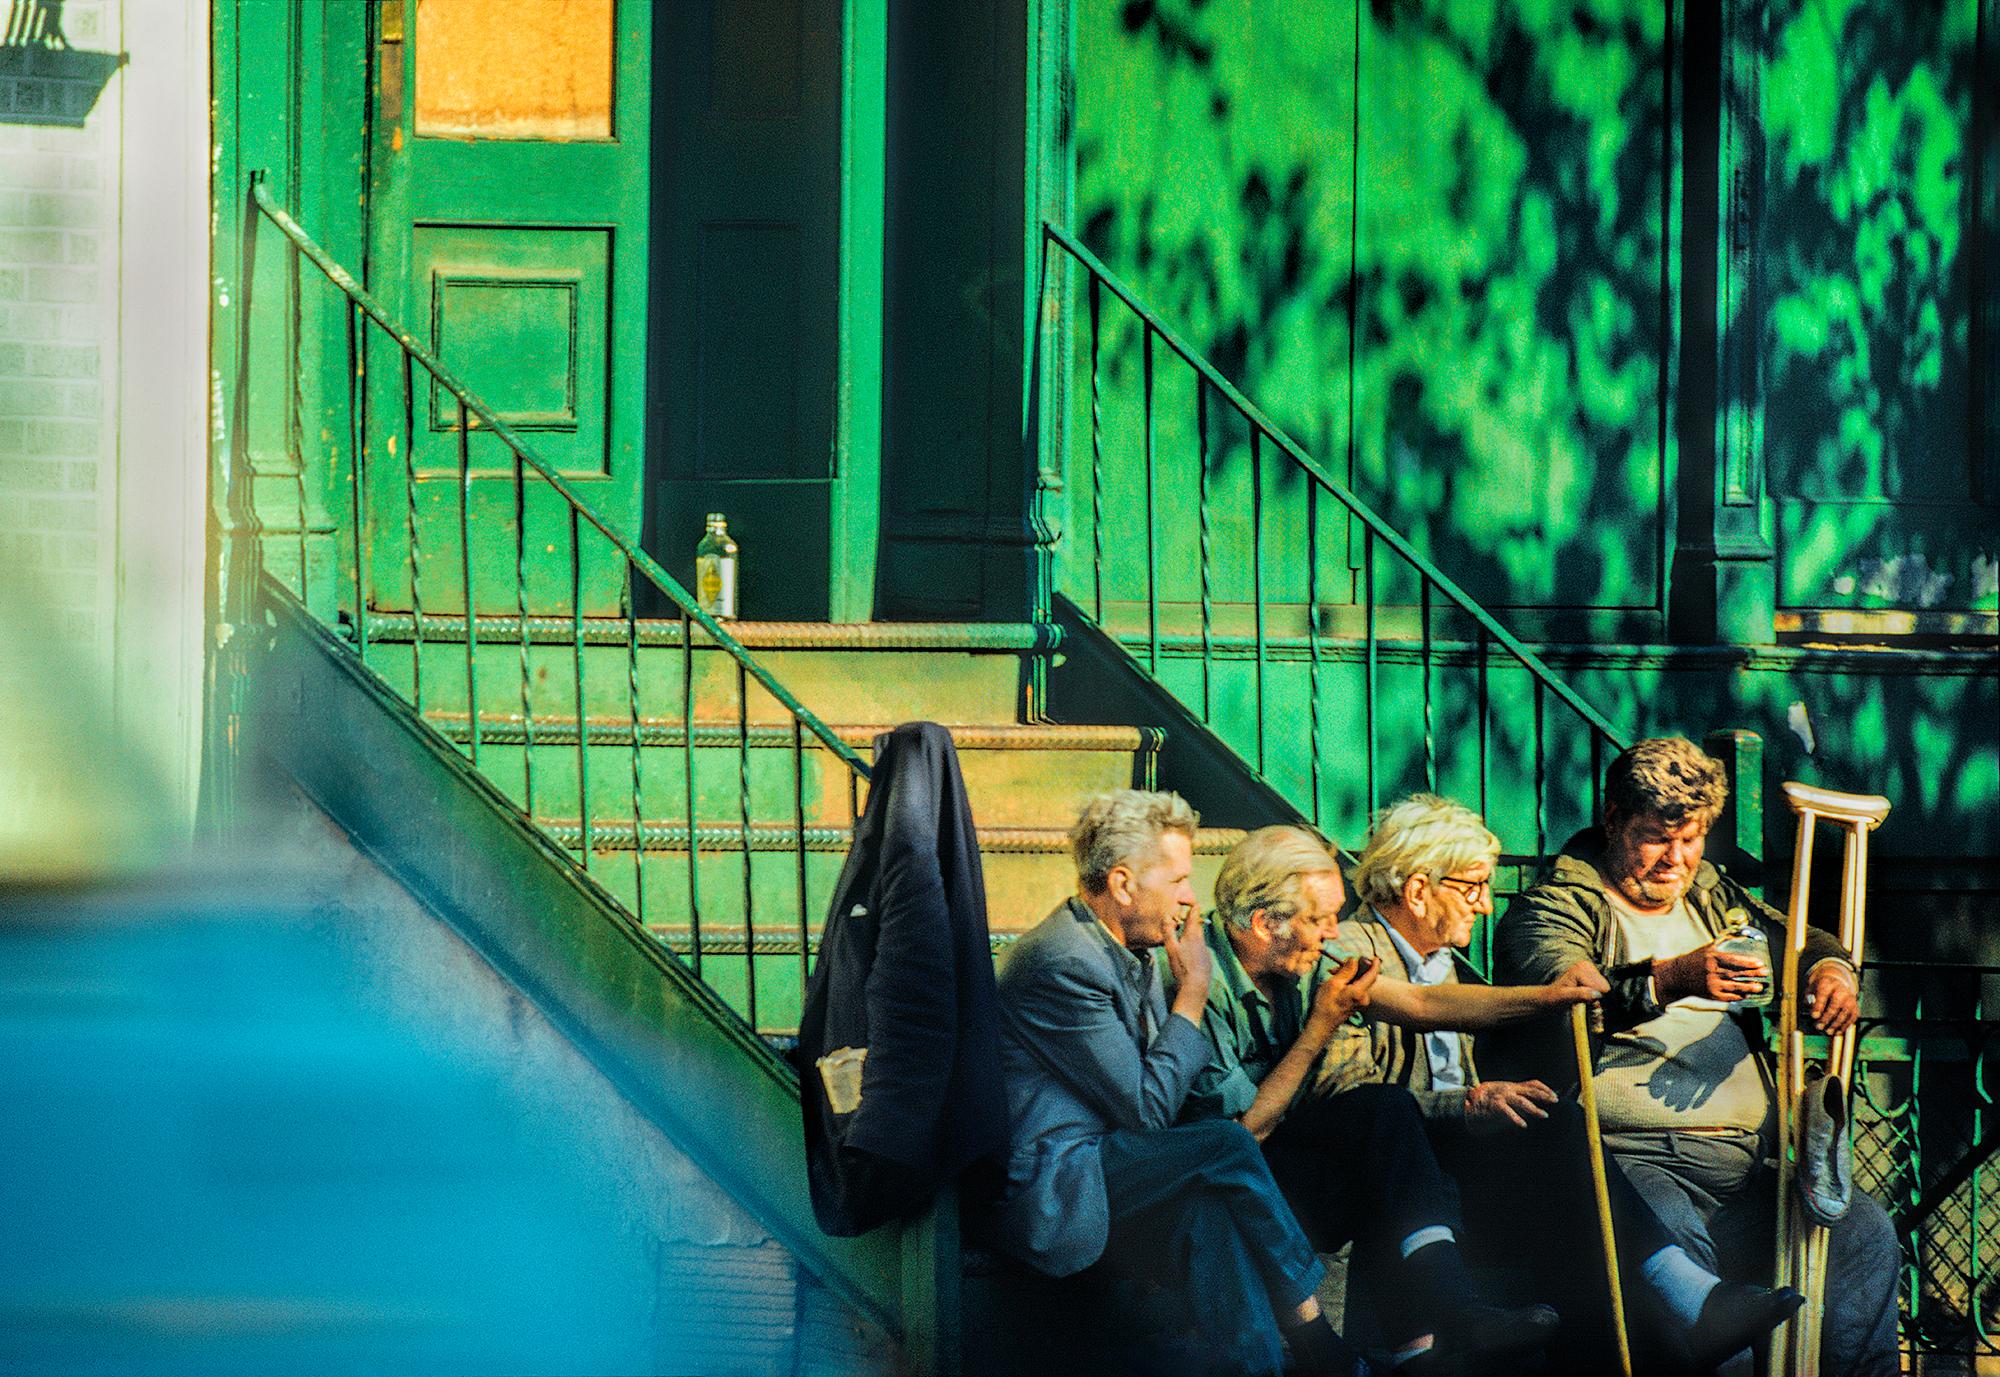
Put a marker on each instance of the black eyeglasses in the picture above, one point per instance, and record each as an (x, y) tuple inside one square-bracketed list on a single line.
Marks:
[(1471, 889)]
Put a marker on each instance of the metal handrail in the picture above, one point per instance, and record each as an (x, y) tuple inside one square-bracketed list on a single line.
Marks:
[(644, 562), (589, 832), (1340, 492)]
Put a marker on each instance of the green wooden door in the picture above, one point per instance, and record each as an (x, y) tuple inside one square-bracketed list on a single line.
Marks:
[(749, 272), (508, 214)]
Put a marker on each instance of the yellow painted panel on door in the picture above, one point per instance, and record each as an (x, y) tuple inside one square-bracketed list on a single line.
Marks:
[(515, 69)]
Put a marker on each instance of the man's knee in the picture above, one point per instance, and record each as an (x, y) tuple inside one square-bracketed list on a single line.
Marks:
[(1864, 1241)]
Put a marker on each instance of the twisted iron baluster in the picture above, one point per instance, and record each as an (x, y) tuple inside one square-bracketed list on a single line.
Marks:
[(1312, 635), (743, 803), (465, 565), (521, 613), (1096, 445), (638, 788), (582, 718), (416, 548), (357, 440), (1152, 539), (1430, 738), (1207, 606), (1257, 577), (799, 850), (295, 406), (687, 774)]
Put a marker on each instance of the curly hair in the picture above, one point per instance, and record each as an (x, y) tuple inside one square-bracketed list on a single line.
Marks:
[(1669, 778)]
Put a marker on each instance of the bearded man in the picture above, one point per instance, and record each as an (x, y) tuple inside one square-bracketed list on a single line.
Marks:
[(1683, 1073)]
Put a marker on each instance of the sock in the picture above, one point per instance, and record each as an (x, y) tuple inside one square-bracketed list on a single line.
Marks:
[(1317, 1348), (1424, 1237), (1680, 1282), (1415, 1348), (1436, 1274)]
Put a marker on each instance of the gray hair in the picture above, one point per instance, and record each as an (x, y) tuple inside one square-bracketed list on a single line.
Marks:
[(1124, 827), (1264, 871), (1422, 835)]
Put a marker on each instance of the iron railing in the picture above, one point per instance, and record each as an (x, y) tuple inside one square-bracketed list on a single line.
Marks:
[(515, 688), (1379, 611), (1928, 1157)]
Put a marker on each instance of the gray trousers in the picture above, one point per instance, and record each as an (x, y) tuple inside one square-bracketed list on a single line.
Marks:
[(1717, 1195)]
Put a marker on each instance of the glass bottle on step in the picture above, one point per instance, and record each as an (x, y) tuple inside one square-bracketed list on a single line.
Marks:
[(715, 569), (1745, 938)]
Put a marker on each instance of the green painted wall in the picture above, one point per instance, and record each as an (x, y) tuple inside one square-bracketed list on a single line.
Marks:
[(1465, 253)]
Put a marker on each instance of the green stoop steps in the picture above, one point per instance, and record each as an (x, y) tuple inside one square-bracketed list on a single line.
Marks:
[(1024, 778)]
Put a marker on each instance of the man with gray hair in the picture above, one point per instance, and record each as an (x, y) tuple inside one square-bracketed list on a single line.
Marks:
[(1683, 1074), (1275, 1008), (1098, 1064)]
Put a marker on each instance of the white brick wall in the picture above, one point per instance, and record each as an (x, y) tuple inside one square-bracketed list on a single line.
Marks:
[(103, 376)]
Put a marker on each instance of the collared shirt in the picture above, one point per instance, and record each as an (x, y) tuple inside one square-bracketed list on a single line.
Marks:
[(1249, 1030), (1447, 1072)]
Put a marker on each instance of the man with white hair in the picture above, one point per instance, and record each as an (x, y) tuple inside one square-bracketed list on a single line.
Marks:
[(1424, 881), (1097, 1065)]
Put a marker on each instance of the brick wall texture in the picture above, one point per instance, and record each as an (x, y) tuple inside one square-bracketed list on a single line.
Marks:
[(58, 317)]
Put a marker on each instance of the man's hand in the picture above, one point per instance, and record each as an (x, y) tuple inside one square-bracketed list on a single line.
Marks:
[(1191, 964), (1582, 983), (1709, 974), (1832, 998), (1491, 1106), (1345, 989)]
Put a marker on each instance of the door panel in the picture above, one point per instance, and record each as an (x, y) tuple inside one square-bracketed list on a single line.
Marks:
[(508, 228), (749, 267)]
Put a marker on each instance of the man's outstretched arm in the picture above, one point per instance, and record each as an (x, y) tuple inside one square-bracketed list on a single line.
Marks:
[(1476, 1008)]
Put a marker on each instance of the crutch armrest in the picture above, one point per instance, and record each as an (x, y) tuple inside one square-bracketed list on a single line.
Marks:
[(1831, 803)]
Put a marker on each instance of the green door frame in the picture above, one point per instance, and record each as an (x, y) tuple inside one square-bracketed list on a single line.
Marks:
[(856, 508)]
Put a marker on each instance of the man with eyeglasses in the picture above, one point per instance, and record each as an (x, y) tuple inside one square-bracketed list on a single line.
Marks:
[(1355, 1166), (1342, 1103)]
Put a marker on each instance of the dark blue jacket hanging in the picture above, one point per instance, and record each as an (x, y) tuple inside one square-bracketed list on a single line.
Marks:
[(905, 971)]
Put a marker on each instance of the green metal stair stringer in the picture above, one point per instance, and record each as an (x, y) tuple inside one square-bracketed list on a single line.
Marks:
[(407, 797)]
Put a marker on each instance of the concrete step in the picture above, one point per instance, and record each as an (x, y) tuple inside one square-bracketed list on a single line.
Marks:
[(863, 672), (1014, 774), (1028, 871)]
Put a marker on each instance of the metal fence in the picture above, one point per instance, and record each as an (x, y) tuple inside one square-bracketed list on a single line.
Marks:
[(514, 628)]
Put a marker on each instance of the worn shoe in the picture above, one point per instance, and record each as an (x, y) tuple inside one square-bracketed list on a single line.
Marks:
[(1482, 1338), (1825, 1177), (1735, 1316)]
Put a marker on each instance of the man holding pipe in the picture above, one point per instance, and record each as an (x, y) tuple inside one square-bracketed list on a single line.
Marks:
[(1683, 1080)]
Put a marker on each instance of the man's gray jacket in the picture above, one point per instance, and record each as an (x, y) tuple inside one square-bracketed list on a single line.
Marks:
[(1087, 1048), (1568, 918)]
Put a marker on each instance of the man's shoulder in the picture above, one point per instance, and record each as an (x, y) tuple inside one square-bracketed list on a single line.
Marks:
[(1365, 934), (1061, 941), (1572, 879)]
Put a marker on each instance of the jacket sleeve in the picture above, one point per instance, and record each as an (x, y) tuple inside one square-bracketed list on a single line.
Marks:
[(1066, 1015), (1544, 933), (911, 994), (1441, 1106)]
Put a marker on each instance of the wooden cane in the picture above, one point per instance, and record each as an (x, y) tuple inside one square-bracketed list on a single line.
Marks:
[(1587, 1099), (1802, 1245)]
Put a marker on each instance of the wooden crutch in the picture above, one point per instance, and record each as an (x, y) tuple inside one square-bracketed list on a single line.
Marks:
[(1587, 1100), (1802, 1245)]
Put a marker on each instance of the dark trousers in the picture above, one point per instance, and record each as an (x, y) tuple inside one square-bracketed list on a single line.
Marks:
[(1358, 1167), (1195, 1208), (1531, 1209), (1718, 1197)]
